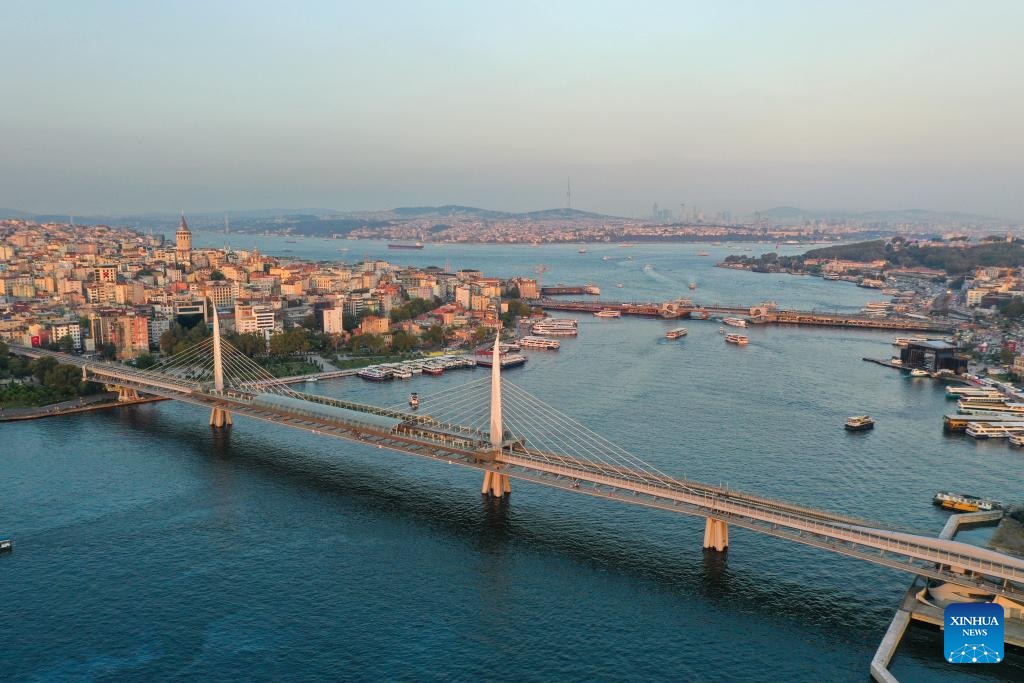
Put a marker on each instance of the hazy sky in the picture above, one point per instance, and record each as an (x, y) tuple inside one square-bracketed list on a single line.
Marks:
[(138, 106)]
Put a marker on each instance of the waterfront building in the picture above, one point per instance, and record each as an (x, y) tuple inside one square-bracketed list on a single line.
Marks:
[(933, 355)]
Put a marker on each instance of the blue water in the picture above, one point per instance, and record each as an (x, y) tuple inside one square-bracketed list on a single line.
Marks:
[(148, 547)]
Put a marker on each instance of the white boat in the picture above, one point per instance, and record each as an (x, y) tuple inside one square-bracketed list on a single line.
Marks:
[(994, 430), (619, 285), (607, 313), (918, 372), (735, 322), (540, 343), (593, 290), (737, 339), (581, 250), (677, 333), (648, 266)]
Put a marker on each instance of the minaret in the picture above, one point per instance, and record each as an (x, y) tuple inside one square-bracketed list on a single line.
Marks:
[(183, 242)]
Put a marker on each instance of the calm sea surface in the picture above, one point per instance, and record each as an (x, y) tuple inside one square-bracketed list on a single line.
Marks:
[(149, 548)]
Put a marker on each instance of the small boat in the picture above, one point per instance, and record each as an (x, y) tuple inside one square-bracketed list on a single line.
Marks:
[(703, 253), (737, 339), (964, 502), (693, 285), (593, 290), (648, 266), (721, 330), (607, 313), (581, 250), (619, 285), (735, 322), (859, 423), (5, 545), (606, 258), (414, 400), (676, 333), (699, 315), (917, 372)]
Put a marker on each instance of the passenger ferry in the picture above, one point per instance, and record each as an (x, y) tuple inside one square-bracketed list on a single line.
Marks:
[(374, 374), (972, 393), (994, 430), (591, 289), (964, 502), (1016, 440), (859, 423), (508, 360), (433, 369), (676, 333), (735, 322), (554, 330), (607, 313), (414, 400), (970, 407), (959, 423), (540, 343), (737, 339)]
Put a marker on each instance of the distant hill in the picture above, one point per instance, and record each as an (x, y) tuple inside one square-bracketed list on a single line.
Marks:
[(458, 210)]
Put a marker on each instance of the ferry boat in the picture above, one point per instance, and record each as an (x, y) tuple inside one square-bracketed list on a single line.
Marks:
[(953, 392), (1016, 440), (859, 423), (993, 430), (970, 407), (399, 245), (508, 360), (581, 250), (433, 369), (607, 313), (676, 333), (540, 343), (414, 400), (735, 322), (401, 373), (591, 289), (703, 253), (964, 502), (374, 374), (737, 339), (918, 372)]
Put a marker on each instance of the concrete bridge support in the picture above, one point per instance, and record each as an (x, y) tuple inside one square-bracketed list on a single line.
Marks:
[(127, 394), (716, 535), (496, 484), (220, 418)]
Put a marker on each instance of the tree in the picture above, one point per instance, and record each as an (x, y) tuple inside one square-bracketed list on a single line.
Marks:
[(480, 334), (516, 308), (373, 344), (435, 335), (402, 341), (107, 351), (145, 360), (66, 344), (43, 366), (310, 322), (217, 276)]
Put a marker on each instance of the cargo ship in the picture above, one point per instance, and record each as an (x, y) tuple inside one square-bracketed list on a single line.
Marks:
[(964, 502), (737, 339), (735, 322), (676, 333), (400, 245)]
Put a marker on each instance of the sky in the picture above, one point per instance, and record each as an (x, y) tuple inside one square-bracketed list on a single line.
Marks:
[(121, 107)]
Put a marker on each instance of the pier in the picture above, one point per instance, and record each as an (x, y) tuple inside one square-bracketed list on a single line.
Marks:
[(759, 314)]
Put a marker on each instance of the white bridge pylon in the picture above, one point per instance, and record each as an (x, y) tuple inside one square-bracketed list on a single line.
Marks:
[(218, 416), (495, 483)]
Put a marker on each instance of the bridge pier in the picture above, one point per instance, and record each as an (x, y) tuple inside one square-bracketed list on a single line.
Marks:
[(220, 418), (127, 394), (716, 535), (496, 484)]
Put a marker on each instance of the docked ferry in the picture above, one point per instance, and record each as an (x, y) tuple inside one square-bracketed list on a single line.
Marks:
[(540, 343), (508, 360), (971, 407), (399, 245), (735, 322), (374, 374), (607, 313), (676, 333), (737, 339), (964, 502)]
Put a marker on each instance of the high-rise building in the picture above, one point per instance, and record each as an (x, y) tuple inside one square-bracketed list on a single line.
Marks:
[(183, 242)]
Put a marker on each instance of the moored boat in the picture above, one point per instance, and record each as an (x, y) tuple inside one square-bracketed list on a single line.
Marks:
[(540, 343), (607, 313), (918, 372), (964, 502)]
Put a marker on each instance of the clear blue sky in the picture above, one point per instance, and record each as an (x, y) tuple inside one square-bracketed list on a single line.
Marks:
[(137, 106)]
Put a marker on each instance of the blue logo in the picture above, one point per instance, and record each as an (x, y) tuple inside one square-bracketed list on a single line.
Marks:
[(973, 633)]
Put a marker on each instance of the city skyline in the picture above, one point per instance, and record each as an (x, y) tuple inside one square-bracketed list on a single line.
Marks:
[(126, 109)]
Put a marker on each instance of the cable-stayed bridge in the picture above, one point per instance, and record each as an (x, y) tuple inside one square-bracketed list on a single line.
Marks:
[(505, 432)]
